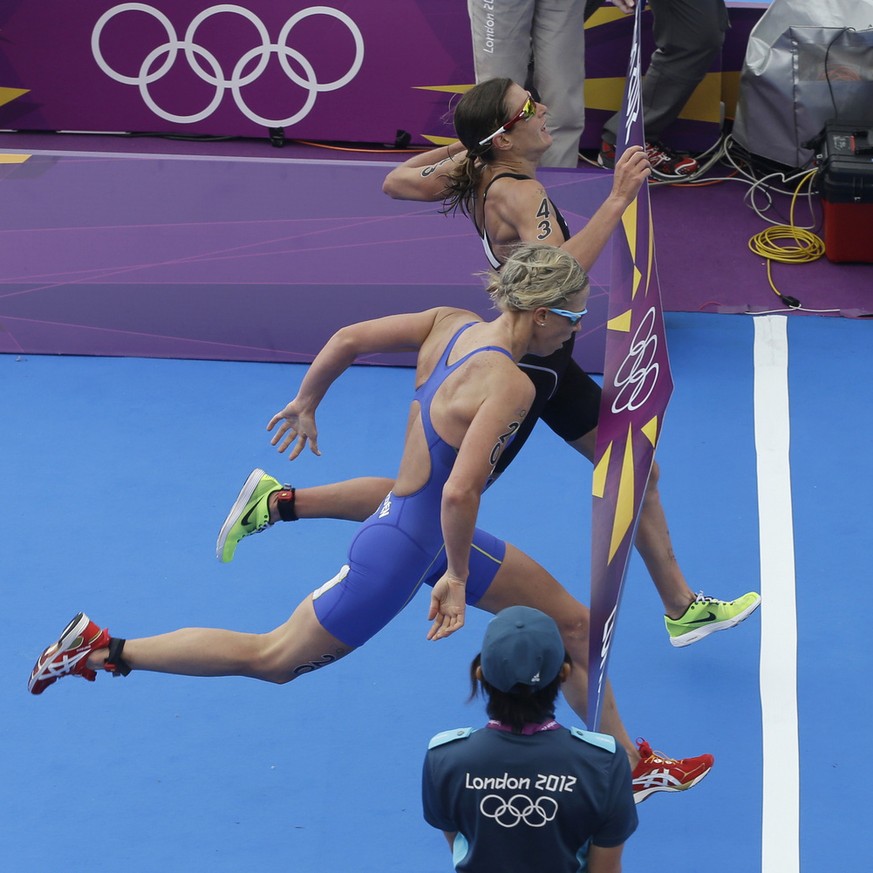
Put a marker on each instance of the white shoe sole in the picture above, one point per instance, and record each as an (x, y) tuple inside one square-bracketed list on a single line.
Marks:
[(239, 504), (640, 796), (64, 643), (699, 633)]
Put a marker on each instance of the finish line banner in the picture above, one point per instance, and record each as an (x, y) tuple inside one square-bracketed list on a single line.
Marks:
[(637, 385)]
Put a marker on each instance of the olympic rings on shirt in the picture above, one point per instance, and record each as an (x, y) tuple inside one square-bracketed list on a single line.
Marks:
[(519, 808), (208, 69)]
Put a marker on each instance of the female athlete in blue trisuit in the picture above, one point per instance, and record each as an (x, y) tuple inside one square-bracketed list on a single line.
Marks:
[(490, 175), (470, 399)]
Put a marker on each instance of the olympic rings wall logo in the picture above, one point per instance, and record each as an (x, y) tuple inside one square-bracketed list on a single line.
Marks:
[(638, 373), (519, 808), (158, 62)]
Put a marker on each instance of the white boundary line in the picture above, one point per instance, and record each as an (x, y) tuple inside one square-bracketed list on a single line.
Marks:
[(780, 830)]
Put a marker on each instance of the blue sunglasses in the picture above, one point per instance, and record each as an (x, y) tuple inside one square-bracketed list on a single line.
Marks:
[(574, 317)]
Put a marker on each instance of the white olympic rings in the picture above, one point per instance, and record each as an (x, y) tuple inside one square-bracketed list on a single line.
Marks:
[(208, 69), (638, 373), (519, 808)]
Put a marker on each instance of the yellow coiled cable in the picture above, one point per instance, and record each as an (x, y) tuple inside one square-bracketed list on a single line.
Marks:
[(807, 246)]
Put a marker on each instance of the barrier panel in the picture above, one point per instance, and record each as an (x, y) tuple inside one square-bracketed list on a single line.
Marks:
[(356, 71)]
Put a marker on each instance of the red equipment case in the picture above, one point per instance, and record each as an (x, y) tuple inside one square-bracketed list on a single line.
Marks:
[(846, 185)]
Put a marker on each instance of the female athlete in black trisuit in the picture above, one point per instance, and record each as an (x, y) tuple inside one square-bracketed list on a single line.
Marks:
[(490, 176)]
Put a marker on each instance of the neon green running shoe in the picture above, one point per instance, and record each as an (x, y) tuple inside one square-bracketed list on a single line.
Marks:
[(249, 513), (707, 615)]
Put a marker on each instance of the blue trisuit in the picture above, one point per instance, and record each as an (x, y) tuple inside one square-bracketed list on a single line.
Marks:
[(400, 546)]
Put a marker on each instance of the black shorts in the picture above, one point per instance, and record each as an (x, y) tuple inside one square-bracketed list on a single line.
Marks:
[(567, 399)]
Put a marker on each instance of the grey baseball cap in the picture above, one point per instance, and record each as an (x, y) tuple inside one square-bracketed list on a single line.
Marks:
[(521, 646)]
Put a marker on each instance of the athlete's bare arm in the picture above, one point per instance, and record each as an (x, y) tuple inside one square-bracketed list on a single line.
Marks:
[(423, 176), (507, 395), (393, 333), (631, 171)]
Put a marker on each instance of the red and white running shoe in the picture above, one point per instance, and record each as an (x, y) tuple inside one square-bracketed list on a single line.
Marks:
[(656, 772), (668, 165), (69, 655)]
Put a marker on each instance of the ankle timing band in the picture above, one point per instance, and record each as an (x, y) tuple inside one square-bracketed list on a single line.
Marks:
[(114, 663), (285, 503)]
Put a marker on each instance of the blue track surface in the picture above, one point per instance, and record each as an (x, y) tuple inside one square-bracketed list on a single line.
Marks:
[(117, 474)]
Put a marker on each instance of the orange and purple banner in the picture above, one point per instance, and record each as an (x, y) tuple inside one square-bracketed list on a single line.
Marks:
[(637, 385)]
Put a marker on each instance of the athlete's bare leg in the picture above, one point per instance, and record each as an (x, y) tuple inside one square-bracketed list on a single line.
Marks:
[(521, 581), (298, 646), (352, 500), (357, 499), (653, 540)]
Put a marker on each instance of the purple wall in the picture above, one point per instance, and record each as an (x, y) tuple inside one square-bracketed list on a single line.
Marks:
[(358, 72), (256, 260)]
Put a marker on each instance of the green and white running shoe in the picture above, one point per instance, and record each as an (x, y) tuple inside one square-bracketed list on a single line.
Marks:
[(249, 514), (707, 615)]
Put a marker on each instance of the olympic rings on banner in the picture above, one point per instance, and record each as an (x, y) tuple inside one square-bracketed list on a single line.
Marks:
[(158, 62), (519, 808), (638, 373)]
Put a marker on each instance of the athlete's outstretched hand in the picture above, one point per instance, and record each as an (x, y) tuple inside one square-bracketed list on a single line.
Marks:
[(447, 605), (297, 424), (631, 171)]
